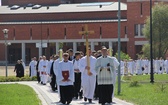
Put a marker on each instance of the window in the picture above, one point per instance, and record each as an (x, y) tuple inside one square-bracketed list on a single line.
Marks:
[(65, 32), (30, 32), (125, 29), (100, 30), (136, 29), (141, 29), (48, 32), (14, 32), (141, 8)]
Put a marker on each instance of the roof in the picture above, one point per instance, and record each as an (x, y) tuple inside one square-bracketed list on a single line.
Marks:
[(64, 8)]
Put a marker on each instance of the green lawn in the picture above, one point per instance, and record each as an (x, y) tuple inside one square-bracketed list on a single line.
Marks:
[(17, 94), (145, 93)]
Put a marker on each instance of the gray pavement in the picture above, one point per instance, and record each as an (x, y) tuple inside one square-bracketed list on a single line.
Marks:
[(48, 97)]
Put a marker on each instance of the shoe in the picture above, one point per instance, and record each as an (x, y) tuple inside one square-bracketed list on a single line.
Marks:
[(85, 99), (80, 97), (90, 100), (63, 102), (41, 82), (68, 102), (103, 104), (44, 83)]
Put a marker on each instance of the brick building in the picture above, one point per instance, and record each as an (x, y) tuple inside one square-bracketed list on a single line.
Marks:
[(33, 23)]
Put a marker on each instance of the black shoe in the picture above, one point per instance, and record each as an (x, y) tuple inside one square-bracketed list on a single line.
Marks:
[(44, 83), (90, 100), (85, 99), (63, 102), (76, 98), (68, 102), (41, 82), (80, 97), (103, 104)]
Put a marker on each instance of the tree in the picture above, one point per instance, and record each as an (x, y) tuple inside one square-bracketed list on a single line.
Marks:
[(123, 56), (159, 31)]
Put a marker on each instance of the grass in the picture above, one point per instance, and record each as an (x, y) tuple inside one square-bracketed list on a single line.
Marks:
[(145, 93), (17, 94)]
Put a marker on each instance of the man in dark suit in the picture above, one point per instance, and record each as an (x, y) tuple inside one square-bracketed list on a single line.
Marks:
[(70, 52), (37, 69), (52, 74)]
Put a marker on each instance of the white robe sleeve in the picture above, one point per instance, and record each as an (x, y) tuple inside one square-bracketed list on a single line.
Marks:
[(92, 69), (71, 77), (82, 65), (98, 65), (60, 77), (115, 63)]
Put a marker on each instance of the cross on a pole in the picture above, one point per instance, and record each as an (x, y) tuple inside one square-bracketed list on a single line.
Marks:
[(86, 32)]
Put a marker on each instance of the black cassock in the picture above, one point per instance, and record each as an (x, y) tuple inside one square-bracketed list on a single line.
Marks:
[(53, 78), (19, 70)]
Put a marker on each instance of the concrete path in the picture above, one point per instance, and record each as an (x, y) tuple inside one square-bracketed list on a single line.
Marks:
[(48, 97)]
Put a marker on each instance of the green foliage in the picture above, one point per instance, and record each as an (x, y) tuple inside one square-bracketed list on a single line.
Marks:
[(159, 31), (61, 44), (17, 94), (145, 92), (146, 50), (127, 77), (161, 87), (123, 56), (134, 84), (14, 79)]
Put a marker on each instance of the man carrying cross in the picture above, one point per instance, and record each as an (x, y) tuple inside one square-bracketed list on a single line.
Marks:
[(87, 65)]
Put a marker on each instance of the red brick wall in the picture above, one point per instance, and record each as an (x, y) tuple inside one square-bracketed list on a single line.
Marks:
[(111, 30), (57, 31), (134, 16), (2, 52)]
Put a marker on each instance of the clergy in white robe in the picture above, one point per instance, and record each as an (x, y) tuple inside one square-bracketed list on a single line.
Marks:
[(157, 65), (66, 79), (49, 64), (146, 66), (43, 69), (122, 67), (32, 66), (55, 67), (139, 66), (161, 63), (77, 82), (105, 69), (131, 66), (88, 81), (126, 65), (166, 65)]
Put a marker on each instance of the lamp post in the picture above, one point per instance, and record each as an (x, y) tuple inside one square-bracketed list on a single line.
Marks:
[(119, 45), (151, 52), (5, 31)]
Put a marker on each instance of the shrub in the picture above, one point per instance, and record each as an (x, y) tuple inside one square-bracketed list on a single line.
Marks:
[(15, 79), (134, 84), (161, 87)]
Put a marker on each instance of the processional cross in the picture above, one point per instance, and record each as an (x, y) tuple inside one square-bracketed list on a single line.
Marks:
[(86, 32)]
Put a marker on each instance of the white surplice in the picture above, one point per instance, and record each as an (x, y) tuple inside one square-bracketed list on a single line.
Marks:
[(88, 82)]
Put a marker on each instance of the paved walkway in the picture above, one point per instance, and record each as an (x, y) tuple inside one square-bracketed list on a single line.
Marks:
[(48, 97)]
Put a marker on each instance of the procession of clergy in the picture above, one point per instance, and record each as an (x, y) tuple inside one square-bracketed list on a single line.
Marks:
[(72, 77)]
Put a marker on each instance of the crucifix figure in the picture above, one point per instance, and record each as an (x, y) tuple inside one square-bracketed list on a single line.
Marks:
[(86, 32)]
